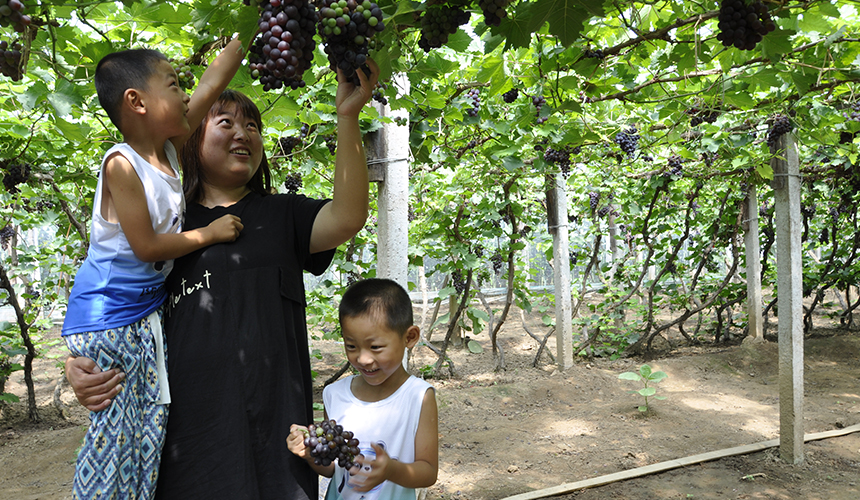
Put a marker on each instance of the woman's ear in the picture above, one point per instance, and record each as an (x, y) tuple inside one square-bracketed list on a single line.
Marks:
[(413, 334)]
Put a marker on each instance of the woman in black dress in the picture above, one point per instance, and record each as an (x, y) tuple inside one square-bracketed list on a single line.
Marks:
[(235, 314)]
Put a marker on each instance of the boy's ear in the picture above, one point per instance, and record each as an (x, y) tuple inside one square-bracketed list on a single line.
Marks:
[(413, 334), (132, 100)]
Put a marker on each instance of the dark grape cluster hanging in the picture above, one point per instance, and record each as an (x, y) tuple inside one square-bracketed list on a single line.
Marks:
[(676, 165), (6, 236), (293, 182), (560, 157), (284, 48), (474, 96), (12, 14), (10, 59), (511, 95), (494, 11), (593, 200), (346, 27), (438, 22), (742, 25), (781, 125), (700, 115), (628, 140), (538, 102), (16, 173), (287, 144), (328, 442)]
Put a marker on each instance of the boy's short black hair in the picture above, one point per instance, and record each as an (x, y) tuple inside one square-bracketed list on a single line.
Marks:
[(379, 297), (120, 71)]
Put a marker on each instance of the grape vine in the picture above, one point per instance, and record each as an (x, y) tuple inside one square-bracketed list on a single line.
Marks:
[(511, 95)]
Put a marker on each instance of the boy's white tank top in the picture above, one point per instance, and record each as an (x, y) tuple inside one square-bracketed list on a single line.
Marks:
[(392, 422)]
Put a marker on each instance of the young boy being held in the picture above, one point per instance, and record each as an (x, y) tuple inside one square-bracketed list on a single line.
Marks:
[(392, 413), (114, 315)]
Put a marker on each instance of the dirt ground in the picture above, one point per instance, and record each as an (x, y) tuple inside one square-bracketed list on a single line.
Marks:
[(525, 428)]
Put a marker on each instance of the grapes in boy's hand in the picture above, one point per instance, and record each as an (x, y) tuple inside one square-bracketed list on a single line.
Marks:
[(329, 442)]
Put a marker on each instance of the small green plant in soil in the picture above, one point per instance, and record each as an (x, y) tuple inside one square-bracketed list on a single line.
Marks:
[(647, 378)]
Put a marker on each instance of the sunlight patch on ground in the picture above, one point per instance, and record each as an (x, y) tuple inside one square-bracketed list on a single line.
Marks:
[(752, 416)]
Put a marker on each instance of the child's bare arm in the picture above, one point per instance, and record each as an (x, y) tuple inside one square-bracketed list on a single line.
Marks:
[(213, 81), (296, 444), (339, 220), (423, 471), (129, 201)]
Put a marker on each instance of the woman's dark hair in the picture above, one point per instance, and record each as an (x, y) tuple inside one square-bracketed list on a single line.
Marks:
[(382, 298), (193, 176)]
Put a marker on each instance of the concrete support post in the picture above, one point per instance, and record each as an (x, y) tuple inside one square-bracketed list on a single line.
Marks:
[(753, 266), (393, 234), (786, 186), (557, 222)]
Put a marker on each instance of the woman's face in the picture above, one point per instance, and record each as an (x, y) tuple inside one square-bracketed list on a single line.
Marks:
[(231, 149)]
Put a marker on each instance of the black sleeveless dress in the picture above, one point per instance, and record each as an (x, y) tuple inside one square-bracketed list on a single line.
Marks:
[(237, 350)]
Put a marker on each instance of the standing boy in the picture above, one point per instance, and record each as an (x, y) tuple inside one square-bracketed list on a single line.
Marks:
[(392, 413), (114, 315)]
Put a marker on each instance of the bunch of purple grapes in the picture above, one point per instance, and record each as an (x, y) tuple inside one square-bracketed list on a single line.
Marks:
[(593, 200), (17, 173), (628, 140), (494, 11), (346, 27), (742, 25), (539, 101), (284, 49), (438, 22), (287, 144), (293, 182), (10, 59), (511, 95), (12, 13), (560, 157), (475, 96), (497, 261), (700, 115), (459, 281), (781, 125), (329, 442), (594, 54), (6, 235), (676, 165)]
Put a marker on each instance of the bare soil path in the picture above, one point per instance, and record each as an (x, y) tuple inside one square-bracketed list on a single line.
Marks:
[(526, 428)]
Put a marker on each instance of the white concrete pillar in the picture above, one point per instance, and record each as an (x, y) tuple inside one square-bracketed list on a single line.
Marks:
[(557, 204), (393, 233), (753, 265), (789, 225)]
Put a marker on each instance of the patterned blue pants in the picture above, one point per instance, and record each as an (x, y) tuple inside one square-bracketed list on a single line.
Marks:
[(122, 447)]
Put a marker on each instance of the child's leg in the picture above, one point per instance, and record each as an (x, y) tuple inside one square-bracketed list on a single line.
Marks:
[(154, 416), (122, 447)]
